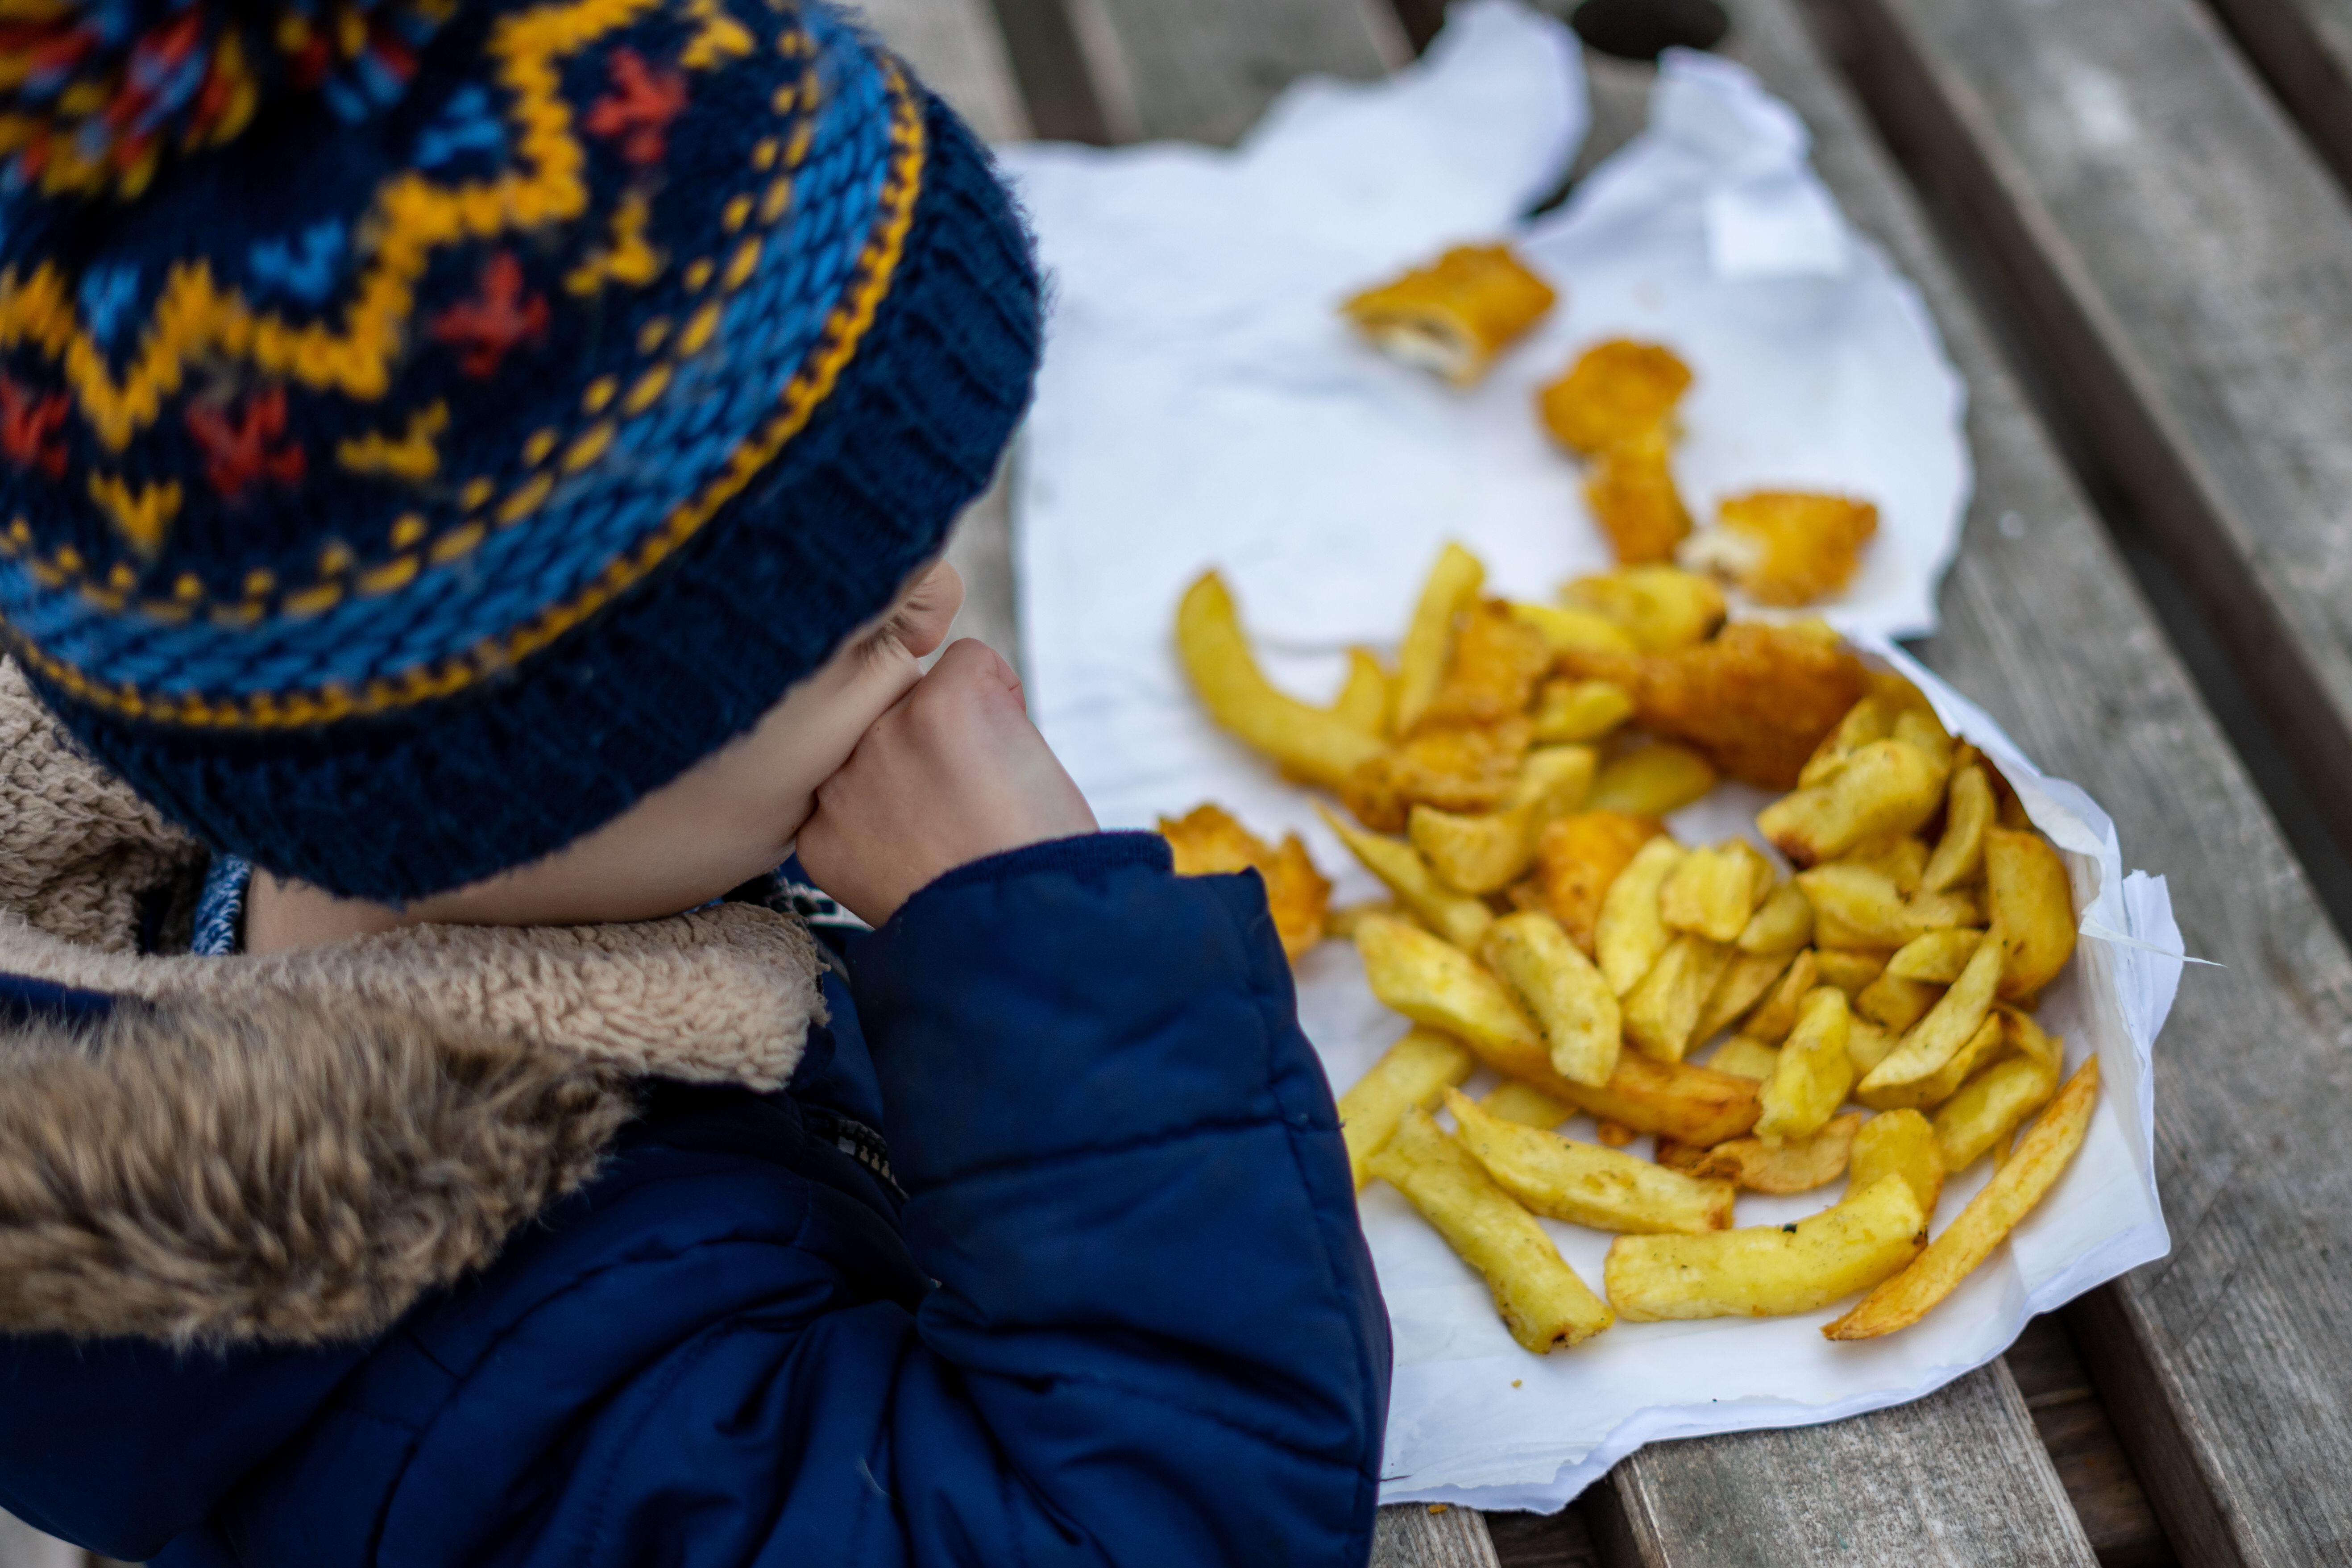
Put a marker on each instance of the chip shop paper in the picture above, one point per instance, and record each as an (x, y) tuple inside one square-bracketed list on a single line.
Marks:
[(1202, 405)]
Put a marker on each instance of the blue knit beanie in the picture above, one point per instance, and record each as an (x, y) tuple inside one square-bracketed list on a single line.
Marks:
[(428, 425)]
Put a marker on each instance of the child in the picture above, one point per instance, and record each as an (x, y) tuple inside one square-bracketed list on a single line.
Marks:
[(481, 465)]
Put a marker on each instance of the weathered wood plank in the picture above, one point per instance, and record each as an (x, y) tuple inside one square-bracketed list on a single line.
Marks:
[(1205, 70), (1411, 1536), (2304, 47), (2083, 1449), (2222, 1365)]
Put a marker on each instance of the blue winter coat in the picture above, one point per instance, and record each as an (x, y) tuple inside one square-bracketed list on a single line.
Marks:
[(1122, 1314)]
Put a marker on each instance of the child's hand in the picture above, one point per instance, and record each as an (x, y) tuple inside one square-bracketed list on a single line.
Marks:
[(953, 774)]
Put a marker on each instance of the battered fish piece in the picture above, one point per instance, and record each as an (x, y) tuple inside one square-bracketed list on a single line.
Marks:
[(1454, 316), (1454, 767), (1498, 660), (1785, 547), (1577, 858), (1631, 490), (1755, 701), (1207, 841), (1616, 391)]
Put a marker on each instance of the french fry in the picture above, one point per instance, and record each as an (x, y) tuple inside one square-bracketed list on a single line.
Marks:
[(1989, 1106), (1860, 906), (1414, 1072), (1526, 1104), (2040, 1158), (1541, 1300), (1560, 987), (1776, 1014), (1661, 607), (1585, 1183), (1741, 985), (2032, 909), (1485, 851), (1577, 858), (1673, 1100), (1431, 982), (1658, 778), (1866, 1045), (1886, 786), (1792, 1165), (1575, 630), (1745, 1057), (1663, 1008), (1894, 1003), (1457, 917), (1934, 1039), (2021, 1034), (1927, 1094), (1363, 699), (1553, 781), (1967, 812), (1770, 1270), (1713, 890), (1783, 923), (1937, 956), (1872, 719), (1340, 923), (1900, 1143), (1308, 742), (1570, 709), (1851, 968), (1811, 1080), (1629, 936), (1901, 856), (1451, 588)]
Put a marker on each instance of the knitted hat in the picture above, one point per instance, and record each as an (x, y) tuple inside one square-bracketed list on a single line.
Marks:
[(428, 425)]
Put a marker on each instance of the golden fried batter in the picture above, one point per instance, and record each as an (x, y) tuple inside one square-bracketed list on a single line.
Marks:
[(1207, 841), (1785, 547), (1616, 391), (1498, 660), (1755, 701), (1454, 767), (1456, 314), (1631, 490), (1577, 858)]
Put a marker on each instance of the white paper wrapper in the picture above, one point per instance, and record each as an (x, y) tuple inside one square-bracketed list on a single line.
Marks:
[(1202, 405)]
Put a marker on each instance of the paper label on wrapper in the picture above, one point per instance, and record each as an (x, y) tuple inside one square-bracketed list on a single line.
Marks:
[(1201, 404)]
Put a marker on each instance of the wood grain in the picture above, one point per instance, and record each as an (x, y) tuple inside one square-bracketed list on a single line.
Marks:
[(2083, 1449), (1205, 70), (1410, 1535), (2305, 48), (2222, 1365)]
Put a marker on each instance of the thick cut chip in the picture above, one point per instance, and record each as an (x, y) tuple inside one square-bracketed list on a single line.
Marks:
[(1851, 968), (1858, 906), (1565, 628), (1663, 1008), (1498, 660), (1585, 1183), (1741, 985), (2032, 909), (1776, 1014), (2040, 1158), (1968, 811), (1784, 547), (1872, 719), (1811, 1080), (1615, 390), (1714, 890), (1560, 987), (1454, 316), (1783, 923), (1630, 935), (1630, 490), (1431, 982), (1652, 780), (1484, 852), (1770, 1270), (1743, 1055), (1577, 859), (2021, 1034), (1918, 725), (1363, 699), (1901, 857), (1306, 742), (1457, 917), (1541, 1300), (1526, 1104), (1578, 710), (1413, 1073), (1938, 956), (1928, 1092), (1867, 1044), (1755, 701), (1886, 786), (1949, 1025), (1894, 1003), (1450, 590), (1207, 841), (1900, 1143), (1792, 1165), (1984, 1110), (1673, 1099), (1660, 607), (1455, 767), (1340, 923)]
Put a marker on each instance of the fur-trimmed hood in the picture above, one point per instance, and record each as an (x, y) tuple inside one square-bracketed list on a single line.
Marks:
[(292, 1149)]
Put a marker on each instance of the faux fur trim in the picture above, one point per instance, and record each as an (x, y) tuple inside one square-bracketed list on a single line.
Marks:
[(277, 1173)]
